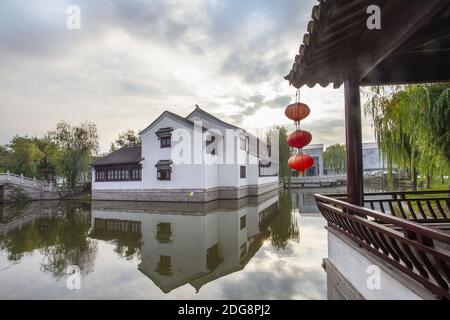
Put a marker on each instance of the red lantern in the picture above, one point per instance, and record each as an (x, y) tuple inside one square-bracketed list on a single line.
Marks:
[(300, 162), (297, 111), (298, 139)]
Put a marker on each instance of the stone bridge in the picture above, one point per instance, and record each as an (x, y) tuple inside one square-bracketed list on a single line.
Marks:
[(36, 189)]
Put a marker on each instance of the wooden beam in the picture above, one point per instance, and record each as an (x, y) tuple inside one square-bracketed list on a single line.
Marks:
[(411, 69), (402, 24), (353, 136)]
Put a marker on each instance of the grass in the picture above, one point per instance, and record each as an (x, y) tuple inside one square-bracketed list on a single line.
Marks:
[(436, 186)]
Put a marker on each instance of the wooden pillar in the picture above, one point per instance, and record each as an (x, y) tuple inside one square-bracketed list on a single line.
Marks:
[(353, 135)]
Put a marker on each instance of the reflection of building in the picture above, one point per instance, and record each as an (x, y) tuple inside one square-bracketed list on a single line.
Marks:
[(372, 157), (192, 244)]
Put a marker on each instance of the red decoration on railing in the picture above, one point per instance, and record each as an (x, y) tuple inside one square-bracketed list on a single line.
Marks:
[(299, 138)]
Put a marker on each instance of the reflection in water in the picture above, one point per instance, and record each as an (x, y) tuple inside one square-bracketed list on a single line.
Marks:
[(303, 199), (59, 232), (172, 244)]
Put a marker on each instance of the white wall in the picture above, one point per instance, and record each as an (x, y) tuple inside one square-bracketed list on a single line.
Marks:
[(184, 176), (354, 267)]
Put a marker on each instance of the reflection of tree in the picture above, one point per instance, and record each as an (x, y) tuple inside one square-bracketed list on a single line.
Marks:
[(129, 247), (284, 226), (61, 238), (9, 212)]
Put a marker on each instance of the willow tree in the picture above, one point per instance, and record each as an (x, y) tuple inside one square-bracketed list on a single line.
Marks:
[(284, 154), (78, 144), (335, 158), (411, 127)]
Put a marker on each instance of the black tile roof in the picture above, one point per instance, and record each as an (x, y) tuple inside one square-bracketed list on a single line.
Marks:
[(209, 115), (124, 155)]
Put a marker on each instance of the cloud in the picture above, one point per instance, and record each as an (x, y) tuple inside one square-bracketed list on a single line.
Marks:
[(133, 59)]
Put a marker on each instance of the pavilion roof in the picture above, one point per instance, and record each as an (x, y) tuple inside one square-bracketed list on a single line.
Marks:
[(412, 46)]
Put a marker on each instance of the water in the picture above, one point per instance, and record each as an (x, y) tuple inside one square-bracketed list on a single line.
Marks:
[(266, 248)]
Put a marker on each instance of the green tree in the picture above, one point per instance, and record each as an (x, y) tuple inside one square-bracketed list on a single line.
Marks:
[(25, 157), (128, 138), (411, 127), (284, 153), (334, 158), (78, 144), (5, 158), (51, 154)]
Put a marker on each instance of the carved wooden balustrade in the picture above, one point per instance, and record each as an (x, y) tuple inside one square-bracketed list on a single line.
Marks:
[(409, 242)]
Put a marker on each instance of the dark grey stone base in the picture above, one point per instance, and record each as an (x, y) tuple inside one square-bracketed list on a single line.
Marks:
[(184, 195), (34, 193), (338, 287)]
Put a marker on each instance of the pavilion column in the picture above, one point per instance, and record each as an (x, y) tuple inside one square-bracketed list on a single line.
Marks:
[(353, 135)]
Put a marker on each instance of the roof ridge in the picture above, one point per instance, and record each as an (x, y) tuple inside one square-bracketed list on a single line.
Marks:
[(197, 108)]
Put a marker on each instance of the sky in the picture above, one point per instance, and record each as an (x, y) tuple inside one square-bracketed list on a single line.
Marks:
[(131, 60)]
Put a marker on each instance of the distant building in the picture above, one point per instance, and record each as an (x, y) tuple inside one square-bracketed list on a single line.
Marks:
[(315, 151), (372, 157)]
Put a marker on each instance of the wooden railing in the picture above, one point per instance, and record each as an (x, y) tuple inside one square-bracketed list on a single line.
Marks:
[(420, 206), (418, 251)]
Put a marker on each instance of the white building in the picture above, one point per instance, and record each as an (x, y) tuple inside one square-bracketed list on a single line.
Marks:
[(316, 152), (195, 158)]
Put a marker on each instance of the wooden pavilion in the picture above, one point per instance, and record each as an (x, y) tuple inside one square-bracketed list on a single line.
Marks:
[(412, 46)]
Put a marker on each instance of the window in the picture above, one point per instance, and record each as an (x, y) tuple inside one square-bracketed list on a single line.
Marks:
[(243, 172), (163, 232), (164, 171), (165, 142), (100, 175), (213, 258), (136, 174), (118, 173), (243, 250), (163, 174), (164, 266), (243, 222)]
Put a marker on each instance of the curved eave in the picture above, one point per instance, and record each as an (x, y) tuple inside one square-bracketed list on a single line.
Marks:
[(338, 45)]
